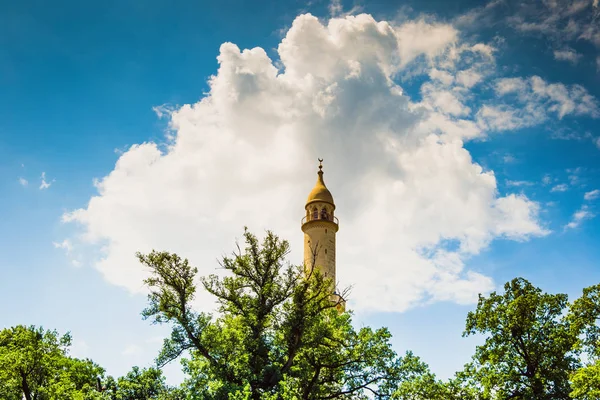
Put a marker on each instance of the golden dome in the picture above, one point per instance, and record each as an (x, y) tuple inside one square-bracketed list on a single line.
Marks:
[(320, 191)]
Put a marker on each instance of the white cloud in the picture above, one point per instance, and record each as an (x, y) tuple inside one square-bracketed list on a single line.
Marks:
[(564, 100), (335, 8), (445, 101), (468, 78), (420, 38), (484, 49), (511, 85), (563, 187), (597, 141), (566, 133), (245, 155), (65, 244), (523, 217), (509, 159), (518, 183), (68, 247), (567, 54), (573, 179), (505, 118), (23, 181), (592, 195), (538, 96), (579, 216), (44, 184), (479, 16), (443, 76), (561, 22), (547, 179)]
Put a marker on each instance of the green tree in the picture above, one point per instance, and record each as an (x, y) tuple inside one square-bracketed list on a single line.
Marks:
[(277, 335), (34, 365), (530, 351), (584, 315), (419, 383), (141, 384)]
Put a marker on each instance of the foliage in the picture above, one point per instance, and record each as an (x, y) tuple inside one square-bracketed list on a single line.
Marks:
[(141, 384), (34, 365), (584, 315), (419, 383), (530, 349), (277, 335), (586, 382)]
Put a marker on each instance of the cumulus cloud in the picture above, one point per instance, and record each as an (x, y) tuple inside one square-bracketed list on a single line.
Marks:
[(561, 21), (563, 24), (405, 186), (518, 183), (579, 216), (468, 78), (444, 77), (537, 96), (509, 159), (45, 184), (592, 195), (567, 133), (506, 118), (563, 187), (444, 101), (567, 54), (23, 181), (65, 245), (536, 102)]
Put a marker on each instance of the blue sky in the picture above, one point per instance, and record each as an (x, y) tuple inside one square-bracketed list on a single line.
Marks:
[(82, 83)]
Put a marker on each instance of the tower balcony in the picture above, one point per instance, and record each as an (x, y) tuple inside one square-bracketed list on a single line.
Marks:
[(320, 218)]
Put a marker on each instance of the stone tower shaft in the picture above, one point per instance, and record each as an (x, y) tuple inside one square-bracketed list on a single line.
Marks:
[(320, 227)]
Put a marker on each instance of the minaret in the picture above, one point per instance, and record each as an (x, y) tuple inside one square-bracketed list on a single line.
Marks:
[(320, 226)]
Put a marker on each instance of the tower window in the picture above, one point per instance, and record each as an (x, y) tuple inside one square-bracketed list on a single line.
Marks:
[(326, 231), (325, 251), (315, 214)]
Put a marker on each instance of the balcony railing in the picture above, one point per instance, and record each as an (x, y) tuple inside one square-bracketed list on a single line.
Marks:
[(320, 218)]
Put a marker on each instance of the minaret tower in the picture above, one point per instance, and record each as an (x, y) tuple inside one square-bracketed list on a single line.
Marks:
[(320, 226)]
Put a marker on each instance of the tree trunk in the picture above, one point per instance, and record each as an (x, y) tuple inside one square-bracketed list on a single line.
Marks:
[(25, 387), (538, 389)]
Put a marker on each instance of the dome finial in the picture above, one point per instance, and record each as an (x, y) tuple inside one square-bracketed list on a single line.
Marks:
[(320, 191)]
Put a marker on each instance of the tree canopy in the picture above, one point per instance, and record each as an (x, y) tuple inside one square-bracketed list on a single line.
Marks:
[(277, 334), (34, 365)]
